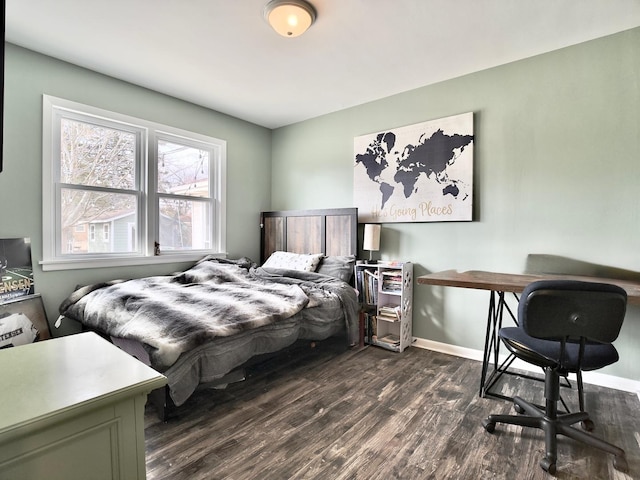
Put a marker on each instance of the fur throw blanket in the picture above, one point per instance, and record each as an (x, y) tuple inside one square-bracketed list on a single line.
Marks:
[(175, 313)]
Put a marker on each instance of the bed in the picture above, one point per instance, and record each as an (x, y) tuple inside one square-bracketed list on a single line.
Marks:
[(200, 326)]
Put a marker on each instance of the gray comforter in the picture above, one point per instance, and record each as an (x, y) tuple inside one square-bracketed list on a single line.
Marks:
[(174, 314)]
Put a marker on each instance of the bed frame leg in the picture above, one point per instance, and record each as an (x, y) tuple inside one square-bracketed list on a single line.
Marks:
[(161, 400)]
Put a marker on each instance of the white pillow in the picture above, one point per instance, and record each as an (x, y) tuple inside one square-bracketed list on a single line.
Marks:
[(293, 261)]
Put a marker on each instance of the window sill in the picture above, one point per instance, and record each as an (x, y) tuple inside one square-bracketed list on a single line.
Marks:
[(78, 264)]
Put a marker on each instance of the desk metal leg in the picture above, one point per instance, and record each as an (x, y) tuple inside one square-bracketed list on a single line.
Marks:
[(497, 305), (494, 318)]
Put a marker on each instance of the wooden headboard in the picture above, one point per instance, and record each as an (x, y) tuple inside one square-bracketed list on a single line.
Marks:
[(330, 231)]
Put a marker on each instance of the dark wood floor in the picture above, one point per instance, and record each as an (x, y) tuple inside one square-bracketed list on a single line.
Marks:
[(374, 414)]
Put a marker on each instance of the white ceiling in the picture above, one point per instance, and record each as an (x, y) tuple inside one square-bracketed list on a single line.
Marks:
[(221, 53)]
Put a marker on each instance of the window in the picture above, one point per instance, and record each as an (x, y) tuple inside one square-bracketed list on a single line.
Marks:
[(134, 183)]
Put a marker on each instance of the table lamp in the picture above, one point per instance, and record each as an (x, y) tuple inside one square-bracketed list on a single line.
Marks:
[(371, 239)]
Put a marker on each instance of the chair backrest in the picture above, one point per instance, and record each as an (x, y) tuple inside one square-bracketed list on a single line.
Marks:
[(560, 309)]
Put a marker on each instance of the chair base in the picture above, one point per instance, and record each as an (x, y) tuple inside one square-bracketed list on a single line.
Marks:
[(553, 424)]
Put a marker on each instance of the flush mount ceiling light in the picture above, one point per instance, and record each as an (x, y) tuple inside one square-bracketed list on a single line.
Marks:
[(290, 18)]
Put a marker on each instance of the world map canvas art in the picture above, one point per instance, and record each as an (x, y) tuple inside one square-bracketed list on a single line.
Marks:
[(418, 173)]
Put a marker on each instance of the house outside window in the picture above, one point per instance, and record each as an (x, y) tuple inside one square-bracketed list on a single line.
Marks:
[(124, 176)]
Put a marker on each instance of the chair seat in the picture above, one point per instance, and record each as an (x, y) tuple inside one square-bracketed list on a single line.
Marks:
[(546, 353)]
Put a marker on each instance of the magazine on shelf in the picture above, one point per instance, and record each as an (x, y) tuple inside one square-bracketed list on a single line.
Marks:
[(391, 281), (390, 263)]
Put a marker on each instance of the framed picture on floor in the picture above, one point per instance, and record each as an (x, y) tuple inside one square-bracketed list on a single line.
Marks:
[(23, 321), (16, 270)]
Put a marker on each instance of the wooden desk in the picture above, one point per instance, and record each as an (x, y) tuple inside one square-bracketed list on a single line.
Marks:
[(498, 284), (515, 283), (73, 408)]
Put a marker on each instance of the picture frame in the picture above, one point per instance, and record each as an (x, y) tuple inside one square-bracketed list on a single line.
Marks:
[(416, 173), (22, 321), (2, 52)]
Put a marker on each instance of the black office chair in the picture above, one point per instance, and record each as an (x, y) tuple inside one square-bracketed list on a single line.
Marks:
[(565, 326)]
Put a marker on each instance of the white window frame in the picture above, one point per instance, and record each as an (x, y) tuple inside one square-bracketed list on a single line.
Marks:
[(54, 256)]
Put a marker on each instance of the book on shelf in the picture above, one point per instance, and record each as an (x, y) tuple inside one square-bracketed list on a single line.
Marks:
[(389, 287), (370, 328), (390, 313), (367, 286), (371, 273), (391, 274), (390, 339)]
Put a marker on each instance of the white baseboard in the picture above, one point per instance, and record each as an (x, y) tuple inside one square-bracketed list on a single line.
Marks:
[(593, 378)]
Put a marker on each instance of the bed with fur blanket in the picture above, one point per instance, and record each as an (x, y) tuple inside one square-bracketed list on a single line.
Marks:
[(196, 326)]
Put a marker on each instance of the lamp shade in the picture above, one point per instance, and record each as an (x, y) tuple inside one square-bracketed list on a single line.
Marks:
[(371, 237), (289, 18)]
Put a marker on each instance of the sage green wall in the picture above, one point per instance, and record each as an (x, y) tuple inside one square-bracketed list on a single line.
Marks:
[(557, 171), (29, 75)]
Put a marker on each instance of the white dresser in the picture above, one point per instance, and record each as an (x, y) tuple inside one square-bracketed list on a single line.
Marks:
[(73, 408)]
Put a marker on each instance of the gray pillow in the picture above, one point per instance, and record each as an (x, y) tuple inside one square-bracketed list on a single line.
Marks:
[(338, 266)]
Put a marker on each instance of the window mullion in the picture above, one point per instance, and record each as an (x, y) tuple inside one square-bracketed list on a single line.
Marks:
[(151, 188)]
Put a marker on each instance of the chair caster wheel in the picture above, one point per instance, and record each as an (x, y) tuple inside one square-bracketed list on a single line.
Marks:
[(548, 466), (587, 425), (620, 464), (518, 408), (488, 425)]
